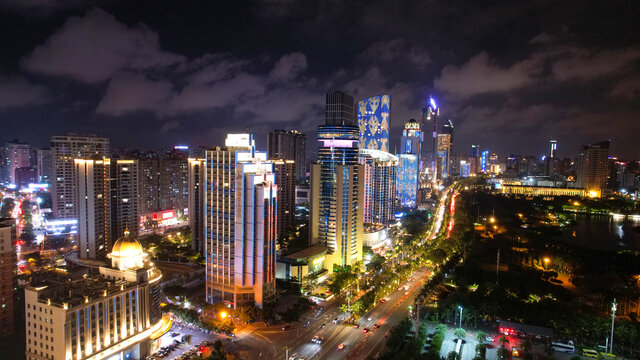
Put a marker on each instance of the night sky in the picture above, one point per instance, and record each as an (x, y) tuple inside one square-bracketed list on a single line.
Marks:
[(510, 75)]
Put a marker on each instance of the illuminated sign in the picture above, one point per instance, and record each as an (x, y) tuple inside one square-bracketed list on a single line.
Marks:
[(373, 122), (239, 140), (181, 147), (339, 143), (318, 260)]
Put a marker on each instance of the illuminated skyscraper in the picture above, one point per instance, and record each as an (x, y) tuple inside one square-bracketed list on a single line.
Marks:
[(196, 202), (240, 227), (18, 156), (409, 164), (431, 113), (443, 156), (64, 149), (484, 162), (94, 207), (380, 171), (337, 195), (593, 168), (44, 165), (289, 145), (475, 159), (554, 147), (285, 171), (373, 121), (125, 197)]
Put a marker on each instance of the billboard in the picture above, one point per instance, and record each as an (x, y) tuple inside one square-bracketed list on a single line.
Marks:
[(373, 121), (407, 180)]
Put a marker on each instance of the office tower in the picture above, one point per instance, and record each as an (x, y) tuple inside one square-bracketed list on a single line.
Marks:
[(339, 109), (475, 159), (593, 168), (380, 171), (196, 202), (164, 181), (431, 113), (374, 122), (484, 162), (44, 165), (554, 147), (64, 149), (443, 156), (409, 164), (465, 168), (93, 181), (18, 155), (289, 145), (240, 226), (7, 274), (114, 314), (125, 197), (285, 181), (336, 195)]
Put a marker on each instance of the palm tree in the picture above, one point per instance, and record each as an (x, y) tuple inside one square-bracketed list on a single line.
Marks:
[(357, 307), (503, 341), (481, 336), (344, 308)]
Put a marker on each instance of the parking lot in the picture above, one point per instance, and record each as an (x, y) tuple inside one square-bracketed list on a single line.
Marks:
[(182, 343)]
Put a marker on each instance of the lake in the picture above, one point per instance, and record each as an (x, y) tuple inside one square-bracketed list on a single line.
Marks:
[(605, 232)]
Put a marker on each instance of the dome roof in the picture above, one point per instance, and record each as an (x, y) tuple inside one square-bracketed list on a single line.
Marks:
[(126, 246)]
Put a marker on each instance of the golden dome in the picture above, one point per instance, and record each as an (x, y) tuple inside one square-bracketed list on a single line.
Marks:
[(127, 246)]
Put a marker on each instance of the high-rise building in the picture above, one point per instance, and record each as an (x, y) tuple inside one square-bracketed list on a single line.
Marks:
[(339, 109), (164, 181), (374, 122), (431, 113), (24, 176), (196, 202), (18, 155), (475, 159), (240, 227), (289, 145), (485, 166), (443, 168), (7, 274), (93, 181), (285, 180), (465, 168), (125, 197), (407, 179), (336, 195), (593, 168), (64, 149), (111, 315), (380, 171), (553, 148), (44, 165)]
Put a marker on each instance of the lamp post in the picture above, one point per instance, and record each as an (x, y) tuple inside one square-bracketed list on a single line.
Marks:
[(460, 307), (614, 306)]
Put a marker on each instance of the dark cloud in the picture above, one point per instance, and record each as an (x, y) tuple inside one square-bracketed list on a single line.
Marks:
[(18, 92)]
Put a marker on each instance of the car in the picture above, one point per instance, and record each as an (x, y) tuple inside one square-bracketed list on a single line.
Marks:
[(335, 321), (341, 346), (306, 324), (515, 352), (376, 326), (315, 339), (293, 356), (406, 293), (320, 340), (365, 330), (370, 318), (489, 339), (383, 301), (286, 327), (303, 358), (356, 326)]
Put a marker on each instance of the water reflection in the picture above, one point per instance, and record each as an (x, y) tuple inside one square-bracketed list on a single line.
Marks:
[(606, 232)]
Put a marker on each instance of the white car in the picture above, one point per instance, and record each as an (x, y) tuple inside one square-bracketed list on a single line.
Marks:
[(294, 356), (370, 318)]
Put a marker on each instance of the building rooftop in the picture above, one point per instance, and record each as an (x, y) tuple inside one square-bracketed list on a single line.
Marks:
[(308, 252)]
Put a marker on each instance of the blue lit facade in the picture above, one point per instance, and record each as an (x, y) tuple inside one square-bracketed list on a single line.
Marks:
[(337, 192), (373, 121), (409, 164), (484, 161), (465, 169)]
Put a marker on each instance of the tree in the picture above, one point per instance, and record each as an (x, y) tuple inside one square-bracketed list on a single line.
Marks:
[(452, 355), (344, 308), (357, 307), (248, 314), (481, 336), (460, 333), (309, 283), (503, 341)]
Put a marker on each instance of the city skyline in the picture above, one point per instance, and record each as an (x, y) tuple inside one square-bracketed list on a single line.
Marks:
[(550, 73)]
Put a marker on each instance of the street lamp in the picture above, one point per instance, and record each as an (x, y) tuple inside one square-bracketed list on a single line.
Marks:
[(614, 306), (460, 307), (223, 315)]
